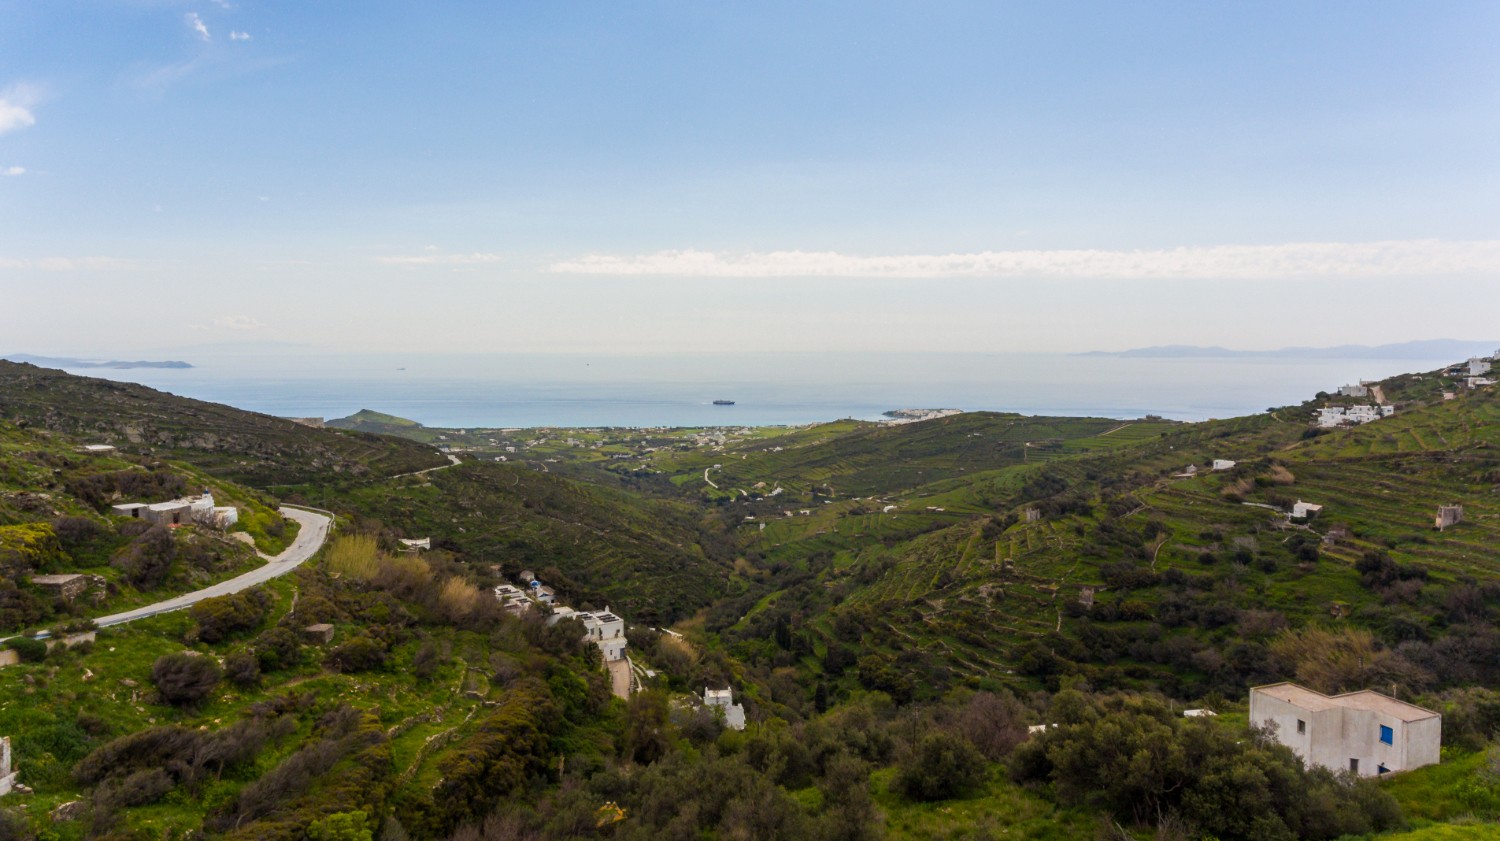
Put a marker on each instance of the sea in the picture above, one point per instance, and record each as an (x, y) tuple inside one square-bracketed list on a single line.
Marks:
[(679, 390)]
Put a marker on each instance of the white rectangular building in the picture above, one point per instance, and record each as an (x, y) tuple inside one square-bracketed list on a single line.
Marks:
[(1364, 732), (605, 630)]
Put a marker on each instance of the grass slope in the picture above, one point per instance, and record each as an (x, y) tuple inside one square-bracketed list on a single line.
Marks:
[(229, 443)]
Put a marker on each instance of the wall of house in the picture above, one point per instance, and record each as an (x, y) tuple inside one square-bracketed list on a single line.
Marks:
[(1424, 742)]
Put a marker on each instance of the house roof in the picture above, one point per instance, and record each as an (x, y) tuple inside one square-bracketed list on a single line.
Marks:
[(1364, 699)]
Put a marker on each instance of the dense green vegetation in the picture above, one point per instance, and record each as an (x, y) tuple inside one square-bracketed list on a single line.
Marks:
[(894, 604)]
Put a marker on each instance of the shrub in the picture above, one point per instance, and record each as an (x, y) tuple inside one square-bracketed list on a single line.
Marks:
[(148, 559), (343, 826), (242, 669), (278, 648), (357, 655), (31, 651), (184, 677), (222, 617), (354, 556), (138, 789)]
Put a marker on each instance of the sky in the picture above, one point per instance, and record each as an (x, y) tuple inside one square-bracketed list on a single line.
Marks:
[(718, 177)]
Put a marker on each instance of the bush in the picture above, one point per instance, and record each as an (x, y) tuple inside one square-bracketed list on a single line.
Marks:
[(222, 617), (357, 655), (148, 559), (138, 789), (278, 648), (242, 669), (942, 766), (31, 651), (185, 678)]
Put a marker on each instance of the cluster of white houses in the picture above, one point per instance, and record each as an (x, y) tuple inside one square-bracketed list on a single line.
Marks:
[(601, 627), (1332, 416), (199, 509), (1365, 732)]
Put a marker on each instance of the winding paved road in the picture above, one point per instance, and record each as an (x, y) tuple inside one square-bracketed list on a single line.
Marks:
[(309, 540)]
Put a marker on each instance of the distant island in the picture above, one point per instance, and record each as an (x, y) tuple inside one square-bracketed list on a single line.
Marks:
[(1425, 349), (69, 362)]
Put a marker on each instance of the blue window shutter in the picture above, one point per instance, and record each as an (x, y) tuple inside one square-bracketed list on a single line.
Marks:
[(1387, 735)]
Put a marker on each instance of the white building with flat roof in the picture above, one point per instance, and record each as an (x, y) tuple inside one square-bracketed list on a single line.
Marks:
[(605, 630), (1305, 509), (1364, 732), (734, 714)]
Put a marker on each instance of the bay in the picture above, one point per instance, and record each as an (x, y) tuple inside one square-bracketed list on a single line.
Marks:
[(577, 390)]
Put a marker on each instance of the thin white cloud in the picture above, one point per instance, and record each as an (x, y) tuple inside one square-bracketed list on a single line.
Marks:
[(442, 259), (13, 170), (238, 322), (1393, 258), (66, 264), (236, 35), (16, 103), (196, 24)]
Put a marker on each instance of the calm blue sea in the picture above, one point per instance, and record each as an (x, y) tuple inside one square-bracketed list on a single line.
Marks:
[(679, 390)]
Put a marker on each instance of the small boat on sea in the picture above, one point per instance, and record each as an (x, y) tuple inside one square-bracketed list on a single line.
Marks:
[(723, 402)]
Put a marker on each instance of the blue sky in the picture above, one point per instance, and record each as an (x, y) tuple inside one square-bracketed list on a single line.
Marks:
[(713, 176)]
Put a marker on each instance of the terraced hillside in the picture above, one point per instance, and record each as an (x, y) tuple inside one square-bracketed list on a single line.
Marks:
[(240, 446), (653, 560), (883, 459), (1113, 563)]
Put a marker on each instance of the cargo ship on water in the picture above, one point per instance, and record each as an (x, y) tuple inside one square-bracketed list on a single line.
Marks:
[(723, 402)]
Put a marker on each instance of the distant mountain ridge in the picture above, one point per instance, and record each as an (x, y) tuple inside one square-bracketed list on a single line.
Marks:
[(1424, 349), (70, 362), (244, 447)]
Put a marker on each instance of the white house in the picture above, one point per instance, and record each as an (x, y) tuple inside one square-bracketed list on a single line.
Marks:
[(1223, 464), (1331, 416), (1354, 390), (734, 714), (605, 630), (1478, 366), (1365, 732), (512, 599), (1302, 509), (188, 509)]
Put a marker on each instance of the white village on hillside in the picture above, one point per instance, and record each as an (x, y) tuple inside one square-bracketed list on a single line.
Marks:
[(606, 631)]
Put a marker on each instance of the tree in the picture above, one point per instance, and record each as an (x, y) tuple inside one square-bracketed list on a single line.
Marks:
[(185, 677), (943, 766), (646, 727)]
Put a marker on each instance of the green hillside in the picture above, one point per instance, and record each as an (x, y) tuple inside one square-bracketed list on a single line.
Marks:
[(1135, 578), (239, 446), (654, 560), (55, 518), (892, 604)]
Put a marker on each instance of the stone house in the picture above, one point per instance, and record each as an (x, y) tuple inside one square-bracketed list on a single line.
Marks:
[(1448, 515)]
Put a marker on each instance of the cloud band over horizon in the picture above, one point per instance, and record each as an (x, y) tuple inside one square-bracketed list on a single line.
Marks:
[(1391, 258)]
